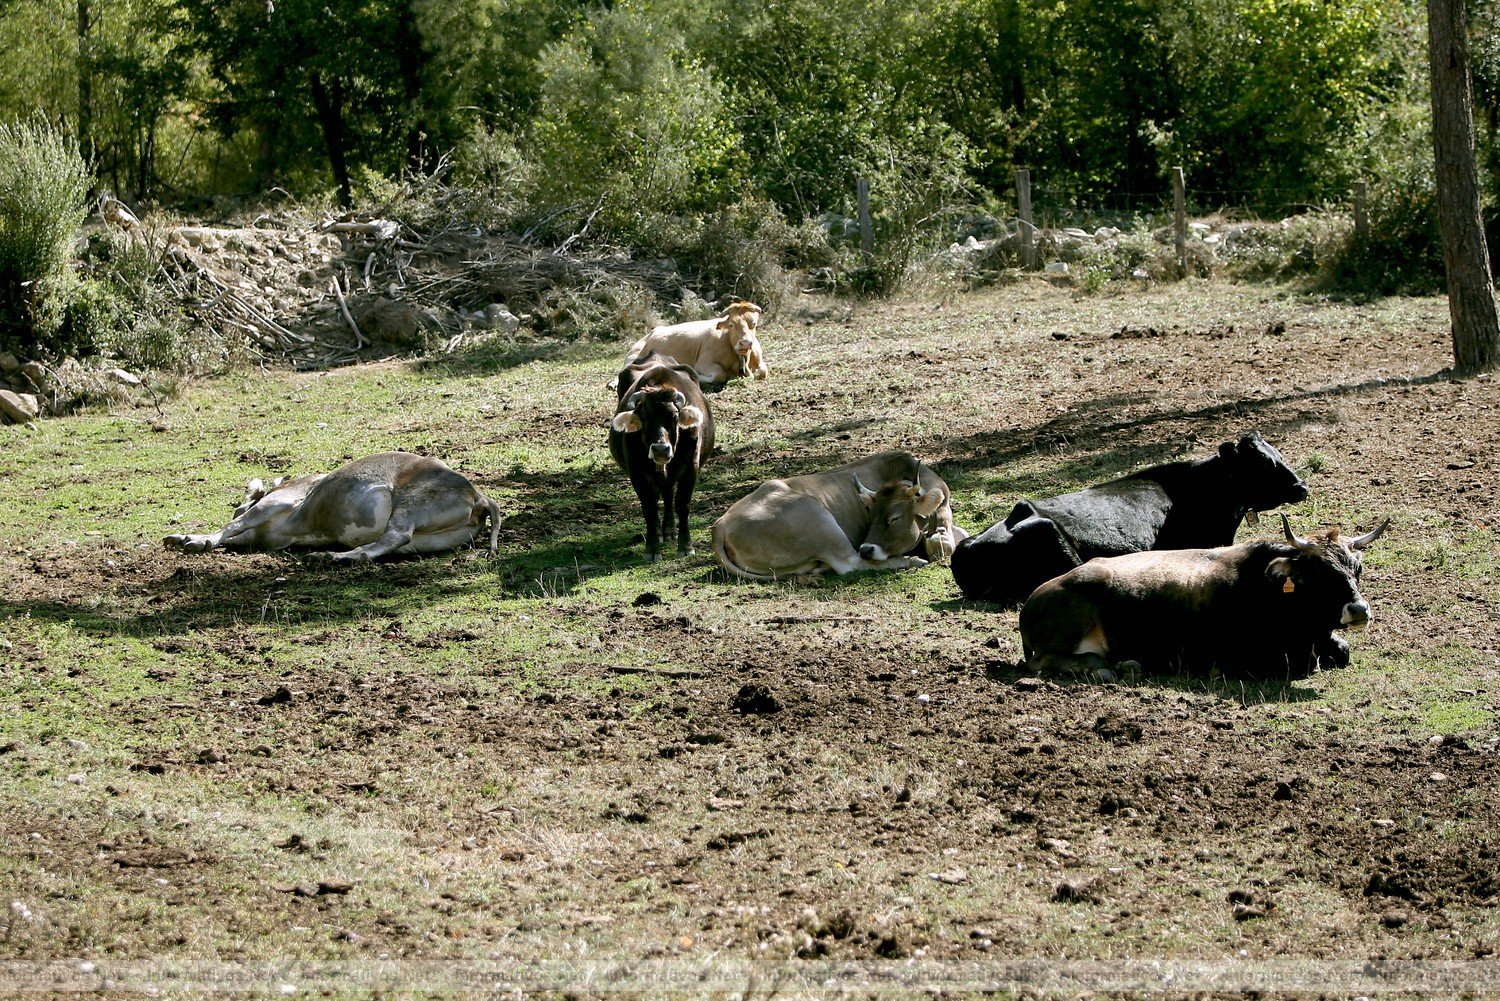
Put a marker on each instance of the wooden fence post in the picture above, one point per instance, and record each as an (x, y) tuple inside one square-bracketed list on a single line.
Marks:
[(1361, 220), (1028, 230), (1179, 211), (866, 229)]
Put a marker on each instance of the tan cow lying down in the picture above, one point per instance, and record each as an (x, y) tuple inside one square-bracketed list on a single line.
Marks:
[(886, 512), (718, 350), (393, 502)]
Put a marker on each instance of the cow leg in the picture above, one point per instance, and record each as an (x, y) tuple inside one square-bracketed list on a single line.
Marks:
[(1332, 651), (1085, 664), (239, 532), (649, 496), (853, 562), (669, 493), (712, 374), (683, 499), (393, 540), (425, 524)]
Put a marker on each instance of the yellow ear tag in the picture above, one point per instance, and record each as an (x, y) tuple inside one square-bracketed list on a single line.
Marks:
[(1288, 587)]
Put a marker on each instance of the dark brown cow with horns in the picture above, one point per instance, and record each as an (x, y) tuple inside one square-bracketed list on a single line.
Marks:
[(1258, 609), (661, 434)]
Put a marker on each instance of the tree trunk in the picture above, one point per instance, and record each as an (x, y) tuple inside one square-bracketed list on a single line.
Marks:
[(1471, 292), (330, 104), (85, 83)]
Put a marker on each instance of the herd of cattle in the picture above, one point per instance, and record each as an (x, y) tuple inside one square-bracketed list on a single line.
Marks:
[(1139, 571)]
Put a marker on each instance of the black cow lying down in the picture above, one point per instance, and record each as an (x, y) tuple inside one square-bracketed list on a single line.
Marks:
[(1259, 609), (1177, 505)]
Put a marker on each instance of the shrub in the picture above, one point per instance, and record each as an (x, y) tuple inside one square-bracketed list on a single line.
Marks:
[(43, 183), (918, 178), (121, 307)]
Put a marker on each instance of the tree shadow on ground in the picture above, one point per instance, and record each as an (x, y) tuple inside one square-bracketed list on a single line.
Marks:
[(497, 355), (965, 460), (223, 590)]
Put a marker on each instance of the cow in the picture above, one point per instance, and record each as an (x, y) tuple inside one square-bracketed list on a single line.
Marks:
[(661, 434), (392, 502), (1258, 609), (1191, 504), (885, 512), (717, 350)]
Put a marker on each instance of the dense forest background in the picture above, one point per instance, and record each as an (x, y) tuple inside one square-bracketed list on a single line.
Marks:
[(671, 106)]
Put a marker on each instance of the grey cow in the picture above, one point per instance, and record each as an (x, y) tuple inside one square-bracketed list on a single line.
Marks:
[(393, 502)]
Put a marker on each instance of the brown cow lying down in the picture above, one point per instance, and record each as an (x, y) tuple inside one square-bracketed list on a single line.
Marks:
[(717, 350), (886, 512), (393, 502)]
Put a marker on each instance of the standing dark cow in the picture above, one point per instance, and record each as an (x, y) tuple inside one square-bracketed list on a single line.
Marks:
[(1178, 505), (1258, 609), (661, 434)]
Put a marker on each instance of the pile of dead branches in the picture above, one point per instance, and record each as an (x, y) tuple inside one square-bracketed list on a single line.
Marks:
[(298, 293)]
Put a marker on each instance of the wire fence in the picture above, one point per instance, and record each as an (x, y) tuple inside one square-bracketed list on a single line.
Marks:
[(1059, 205)]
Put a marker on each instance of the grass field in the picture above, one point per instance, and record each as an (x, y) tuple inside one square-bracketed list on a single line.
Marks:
[(260, 756)]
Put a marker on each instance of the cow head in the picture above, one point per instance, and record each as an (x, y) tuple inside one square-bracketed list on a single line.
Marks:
[(1321, 578), (738, 327), (899, 514), (1260, 477), (658, 415)]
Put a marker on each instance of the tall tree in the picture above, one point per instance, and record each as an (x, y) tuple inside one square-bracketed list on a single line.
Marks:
[(1471, 291)]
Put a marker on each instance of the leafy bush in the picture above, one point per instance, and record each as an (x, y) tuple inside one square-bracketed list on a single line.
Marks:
[(120, 307), (628, 119), (742, 250), (43, 183), (1403, 252), (914, 178)]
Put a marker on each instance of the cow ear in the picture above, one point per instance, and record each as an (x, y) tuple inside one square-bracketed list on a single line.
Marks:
[(255, 490), (689, 417), (1226, 450), (626, 422), (928, 502), (1279, 570), (723, 324)]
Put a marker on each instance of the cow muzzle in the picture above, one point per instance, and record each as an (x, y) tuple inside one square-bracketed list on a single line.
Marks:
[(661, 453), (1356, 615), (872, 552)]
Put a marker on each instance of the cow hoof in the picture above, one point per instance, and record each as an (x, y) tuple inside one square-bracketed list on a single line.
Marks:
[(1336, 654), (174, 541)]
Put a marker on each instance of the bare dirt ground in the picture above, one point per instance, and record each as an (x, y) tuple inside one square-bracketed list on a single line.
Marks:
[(243, 757)]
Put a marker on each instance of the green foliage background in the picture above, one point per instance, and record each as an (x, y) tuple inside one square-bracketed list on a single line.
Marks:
[(671, 106)]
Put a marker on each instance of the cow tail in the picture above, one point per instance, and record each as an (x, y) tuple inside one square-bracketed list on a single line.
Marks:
[(491, 510), (728, 563)]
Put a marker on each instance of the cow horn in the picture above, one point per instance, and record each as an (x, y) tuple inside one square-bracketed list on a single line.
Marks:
[(1295, 539), (865, 493), (678, 399), (1369, 537)]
